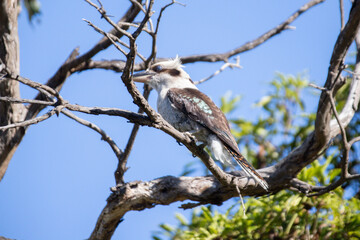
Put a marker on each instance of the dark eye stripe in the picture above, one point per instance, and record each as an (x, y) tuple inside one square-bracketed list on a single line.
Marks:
[(160, 69), (173, 72)]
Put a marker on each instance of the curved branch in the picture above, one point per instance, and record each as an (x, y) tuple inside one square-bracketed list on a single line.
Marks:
[(56, 82), (140, 195), (121, 168), (118, 65), (345, 38), (103, 134), (11, 139), (325, 130)]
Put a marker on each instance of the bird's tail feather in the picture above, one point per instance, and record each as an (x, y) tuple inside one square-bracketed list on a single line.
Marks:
[(249, 169)]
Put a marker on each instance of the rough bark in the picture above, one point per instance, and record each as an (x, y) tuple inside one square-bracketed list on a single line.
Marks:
[(9, 56)]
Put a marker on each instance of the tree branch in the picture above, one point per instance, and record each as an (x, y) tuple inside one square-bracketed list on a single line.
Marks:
[(162, 191), (118, 65), (103, 134), (325, 129), (121, 168), (345, 38), (57, 81), (9, 58)]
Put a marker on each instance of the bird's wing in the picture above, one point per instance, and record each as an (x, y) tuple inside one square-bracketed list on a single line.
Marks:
[(201, 109)]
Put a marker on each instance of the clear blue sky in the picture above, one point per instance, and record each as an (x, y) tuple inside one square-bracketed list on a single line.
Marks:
[(59, 178)]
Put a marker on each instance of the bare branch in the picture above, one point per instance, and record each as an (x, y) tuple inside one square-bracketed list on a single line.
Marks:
[(301, 186), (342, 18), (137, 196), (17, 100), (118, 66), (35, 85), (254, 43), (317, 141), (223, 67), (121, 168), (111, 38), (131, 116), (349, 109), (139, 5), (154, 35), (345, 38), (34, 120), (56, 82), (103, 134), (102, 11)]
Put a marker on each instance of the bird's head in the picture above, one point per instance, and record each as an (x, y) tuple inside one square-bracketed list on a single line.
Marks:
[(165, 75)]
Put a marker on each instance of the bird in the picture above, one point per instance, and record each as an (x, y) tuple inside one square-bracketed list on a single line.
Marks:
[(189, 110)]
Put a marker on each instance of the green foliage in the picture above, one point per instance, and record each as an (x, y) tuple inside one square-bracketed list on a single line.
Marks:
[(278, 124), (285, 215), (281, 126), (32, 7)]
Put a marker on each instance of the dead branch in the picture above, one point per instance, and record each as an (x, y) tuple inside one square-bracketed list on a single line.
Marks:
[(342, 18), (118, 65), (222, 68), (32, 121), (93, 126), (57, 81), (121, 168)]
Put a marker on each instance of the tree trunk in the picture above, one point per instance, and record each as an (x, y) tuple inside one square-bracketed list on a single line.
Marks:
[(9, 56)]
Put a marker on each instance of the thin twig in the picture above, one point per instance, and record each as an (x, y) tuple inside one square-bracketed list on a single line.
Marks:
[(102, 11), (217, 57), (110, 37), (36, 120), (121, 168), (36, 85), (16, 100), (351, 72), (91, 125), (254, 43), (342, 18), (223, 67), (354, 140), (241, 200), (139, 5), (154, 36), (317, 87), (136, 26)]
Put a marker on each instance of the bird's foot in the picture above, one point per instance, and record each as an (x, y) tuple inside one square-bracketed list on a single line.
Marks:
[(189, 135), (201, 144)]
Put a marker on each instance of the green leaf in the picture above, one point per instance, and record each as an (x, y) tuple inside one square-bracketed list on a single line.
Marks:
[(181, 219), (32, 7), (167, 227)]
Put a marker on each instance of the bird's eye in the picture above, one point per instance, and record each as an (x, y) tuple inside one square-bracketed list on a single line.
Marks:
[(157, 68)]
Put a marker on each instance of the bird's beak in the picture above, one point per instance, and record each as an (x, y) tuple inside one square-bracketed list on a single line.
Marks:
[(143, 77)]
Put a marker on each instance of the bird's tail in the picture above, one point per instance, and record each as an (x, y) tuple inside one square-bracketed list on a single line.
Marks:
[(249, 169)]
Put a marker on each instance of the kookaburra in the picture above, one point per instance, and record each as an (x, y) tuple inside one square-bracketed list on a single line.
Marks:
[(189, 110)]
